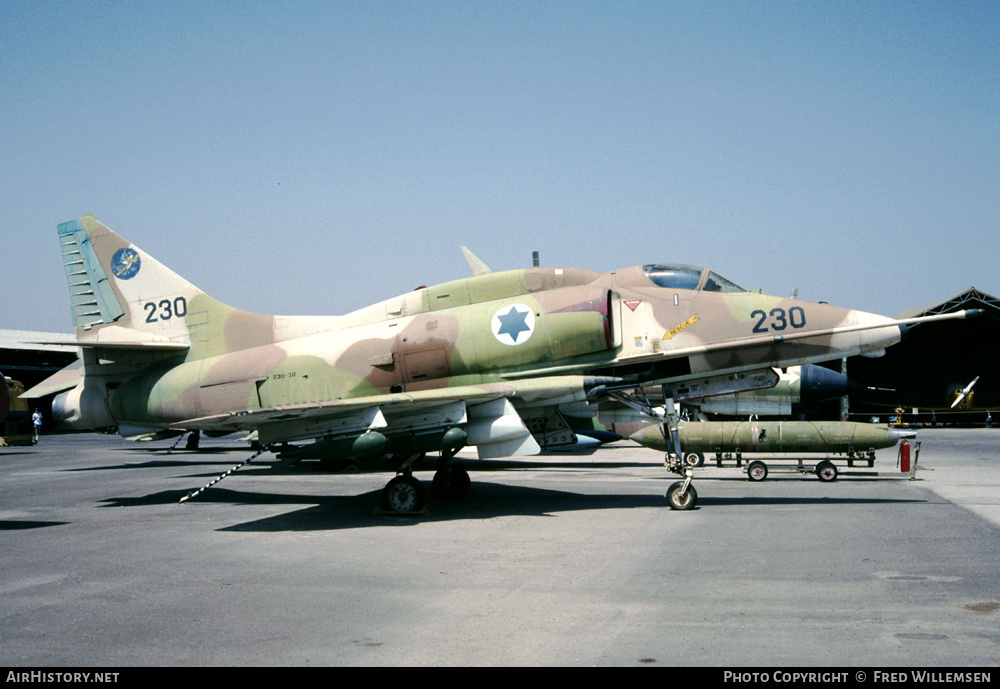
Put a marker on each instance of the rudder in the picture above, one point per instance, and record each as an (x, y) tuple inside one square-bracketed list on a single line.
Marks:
[(92, 301)]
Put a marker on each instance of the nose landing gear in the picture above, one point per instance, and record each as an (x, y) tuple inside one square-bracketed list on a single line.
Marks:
[(682, 495)]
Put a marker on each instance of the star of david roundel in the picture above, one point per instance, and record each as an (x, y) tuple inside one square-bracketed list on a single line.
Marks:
[(513, 325)]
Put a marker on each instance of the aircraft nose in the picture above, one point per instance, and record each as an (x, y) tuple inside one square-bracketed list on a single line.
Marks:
[(877, 332)]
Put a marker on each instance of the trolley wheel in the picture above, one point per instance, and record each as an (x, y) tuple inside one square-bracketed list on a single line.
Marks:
[(826, 471), (694, 459), (757, 471), (681, 501)]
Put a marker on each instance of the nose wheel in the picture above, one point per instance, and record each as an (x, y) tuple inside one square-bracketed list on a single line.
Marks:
[(682, 495), (681, 498)]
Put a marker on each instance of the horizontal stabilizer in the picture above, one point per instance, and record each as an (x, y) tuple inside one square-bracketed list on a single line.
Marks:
[(149, 345), (58, 382)]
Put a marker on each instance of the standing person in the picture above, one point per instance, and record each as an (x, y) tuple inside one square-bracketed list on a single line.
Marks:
[(36, 420)]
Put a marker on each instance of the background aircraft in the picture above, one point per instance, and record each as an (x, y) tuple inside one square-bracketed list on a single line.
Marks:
[(963, 397), (474, 362)]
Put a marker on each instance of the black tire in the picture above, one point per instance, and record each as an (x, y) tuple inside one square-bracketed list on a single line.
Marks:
[(757, 471), (677, 501), (457, 489), (403, 494), (694, 459), (826, 471)]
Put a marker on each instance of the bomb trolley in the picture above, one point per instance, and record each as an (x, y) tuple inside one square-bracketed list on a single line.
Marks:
[(758, 468)]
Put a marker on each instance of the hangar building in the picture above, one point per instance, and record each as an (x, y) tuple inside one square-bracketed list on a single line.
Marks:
[(23, 359), (935, 359)]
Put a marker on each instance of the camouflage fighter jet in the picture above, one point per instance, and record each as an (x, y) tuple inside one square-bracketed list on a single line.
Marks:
[(475, 362)]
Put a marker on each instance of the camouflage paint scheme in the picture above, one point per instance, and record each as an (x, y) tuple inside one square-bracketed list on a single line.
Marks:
[(492, 361), (159, 354)]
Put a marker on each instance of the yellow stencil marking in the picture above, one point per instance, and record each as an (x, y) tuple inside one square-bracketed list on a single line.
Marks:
[(677, 329)]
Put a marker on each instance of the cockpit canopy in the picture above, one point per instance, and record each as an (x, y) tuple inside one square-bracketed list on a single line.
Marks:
[(676, 276)]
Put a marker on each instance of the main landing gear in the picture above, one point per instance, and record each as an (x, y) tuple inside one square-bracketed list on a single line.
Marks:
[(405, 494)]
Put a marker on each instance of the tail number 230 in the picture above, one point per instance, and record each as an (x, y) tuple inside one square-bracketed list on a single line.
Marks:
[(165, 309)]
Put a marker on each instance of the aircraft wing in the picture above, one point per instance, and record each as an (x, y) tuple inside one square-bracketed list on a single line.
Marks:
[(488, 415)]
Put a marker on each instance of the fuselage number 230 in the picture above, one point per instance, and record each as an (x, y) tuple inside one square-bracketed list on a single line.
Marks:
[(778, 319)]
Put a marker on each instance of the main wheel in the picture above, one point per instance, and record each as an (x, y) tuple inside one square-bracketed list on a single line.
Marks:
[(694, 459), (403, 494), (681, 501), (757, 471), (826, 471), (456, 489)]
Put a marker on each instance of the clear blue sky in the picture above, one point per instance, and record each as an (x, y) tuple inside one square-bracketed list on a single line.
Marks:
[(314, 157)]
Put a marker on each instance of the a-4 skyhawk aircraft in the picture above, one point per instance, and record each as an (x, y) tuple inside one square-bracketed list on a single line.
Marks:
[(475, 362)]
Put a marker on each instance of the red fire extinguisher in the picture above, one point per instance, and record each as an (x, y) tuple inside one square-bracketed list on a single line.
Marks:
[(904, 456)]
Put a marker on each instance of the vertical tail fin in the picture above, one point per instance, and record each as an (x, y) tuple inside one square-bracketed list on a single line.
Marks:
[(122, 296), (113, 283)]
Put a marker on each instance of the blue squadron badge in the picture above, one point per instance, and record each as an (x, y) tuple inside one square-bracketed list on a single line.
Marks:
[(125, 263), (513, 325)]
